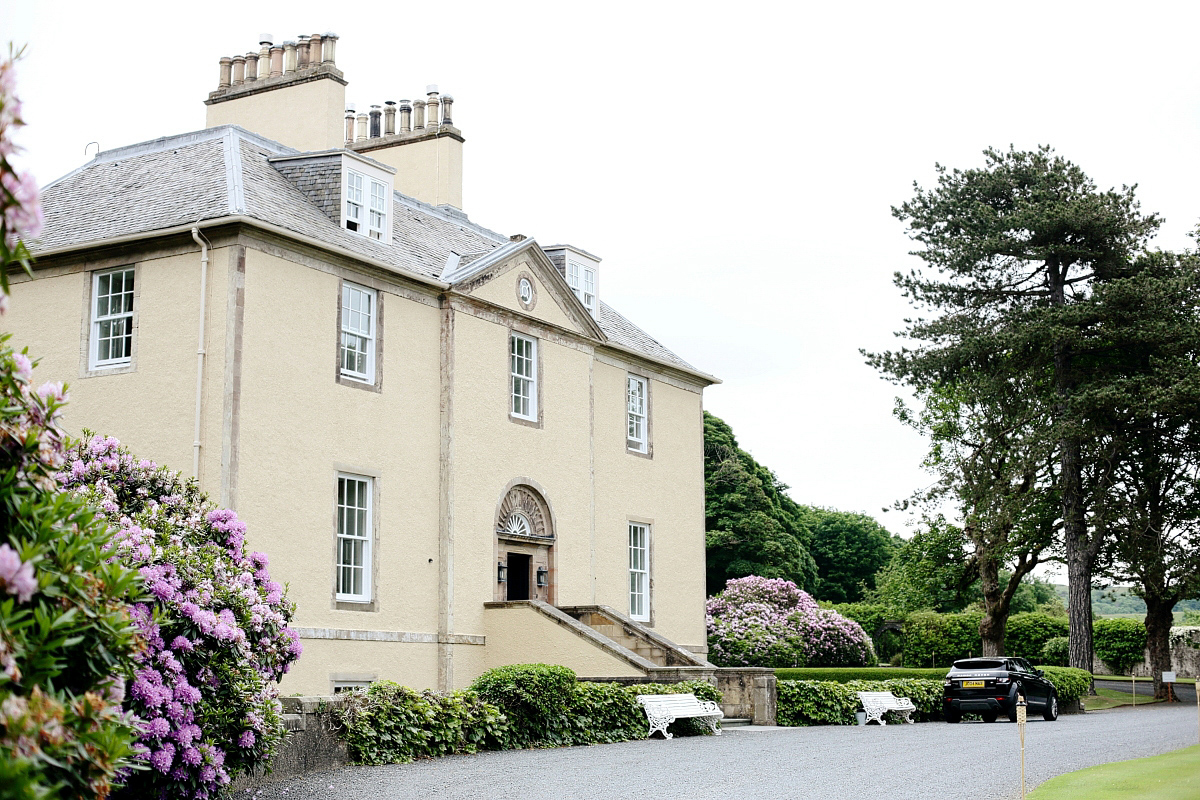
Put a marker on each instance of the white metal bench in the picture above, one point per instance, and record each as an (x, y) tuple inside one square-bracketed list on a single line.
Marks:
[(876, 704), (663, 709)]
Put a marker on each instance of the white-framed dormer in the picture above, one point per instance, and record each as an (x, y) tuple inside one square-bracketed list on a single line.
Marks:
[(582, 271), (367, 197)]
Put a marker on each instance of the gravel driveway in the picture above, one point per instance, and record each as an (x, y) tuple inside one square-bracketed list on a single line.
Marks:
[(974, 761)]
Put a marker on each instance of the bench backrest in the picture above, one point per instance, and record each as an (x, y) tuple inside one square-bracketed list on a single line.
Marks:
[(878, 698), (670, 702)]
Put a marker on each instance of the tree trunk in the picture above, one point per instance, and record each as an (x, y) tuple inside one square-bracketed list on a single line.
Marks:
[(995, 608), (1158, 641)]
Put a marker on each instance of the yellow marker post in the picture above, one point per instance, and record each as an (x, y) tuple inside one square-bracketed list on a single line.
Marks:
[(1021, 733)]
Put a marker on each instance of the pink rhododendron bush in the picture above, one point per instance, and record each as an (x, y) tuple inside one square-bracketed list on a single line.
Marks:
[(66, 637), (215, 625), (770, 622)]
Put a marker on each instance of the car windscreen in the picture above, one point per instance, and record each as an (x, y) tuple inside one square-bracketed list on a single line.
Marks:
[(979, 663)]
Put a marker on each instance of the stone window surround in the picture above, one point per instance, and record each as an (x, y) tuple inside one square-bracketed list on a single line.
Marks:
[(86, 370), (340, 470), (377, 384), (649, 523), (521, 330), (533, 290), (649, 425)]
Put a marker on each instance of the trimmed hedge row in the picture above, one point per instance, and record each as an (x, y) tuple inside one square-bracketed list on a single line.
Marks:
[(829, 702), (518, 706), (803, 703), (847, 674)]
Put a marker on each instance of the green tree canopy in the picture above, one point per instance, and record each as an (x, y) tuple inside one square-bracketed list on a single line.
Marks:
[(752, 527), (849, 549)]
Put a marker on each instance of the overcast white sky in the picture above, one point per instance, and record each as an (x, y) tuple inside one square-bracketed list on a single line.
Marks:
[(734, 164)]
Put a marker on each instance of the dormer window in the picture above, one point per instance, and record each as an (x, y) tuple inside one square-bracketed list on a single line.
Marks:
[(366, 206), (582, 280)]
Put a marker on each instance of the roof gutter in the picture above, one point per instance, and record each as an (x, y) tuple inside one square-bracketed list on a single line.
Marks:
[(234, 219)]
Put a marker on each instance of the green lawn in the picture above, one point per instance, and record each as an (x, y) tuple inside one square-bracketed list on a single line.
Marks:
[(1111, 698), (1173, 776)]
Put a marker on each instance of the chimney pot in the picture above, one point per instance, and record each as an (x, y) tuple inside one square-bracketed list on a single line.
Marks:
[(276, 61), (349, 124), (447, 101), (302, 51), (405, 117), (226, 69), (418, 115), (314, 50), (376, 118), (330, 41), (251, 67), (239, 70), (432, 115), (266, 38), (389, 117), (363, 122), (289, 57), (264, 61)]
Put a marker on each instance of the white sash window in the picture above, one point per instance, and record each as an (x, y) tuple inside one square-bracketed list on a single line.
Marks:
[(639, 571), (354, 538), (112, 318), (636, 414), (523, 373), (358, 333)]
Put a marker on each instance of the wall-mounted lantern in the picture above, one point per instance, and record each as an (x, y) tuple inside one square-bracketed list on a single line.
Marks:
[(501, 572), (542, 575)]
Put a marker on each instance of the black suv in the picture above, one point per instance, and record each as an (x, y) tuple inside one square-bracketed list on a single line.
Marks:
[(989, 687)]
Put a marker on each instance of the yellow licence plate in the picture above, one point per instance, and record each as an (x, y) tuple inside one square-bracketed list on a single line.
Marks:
[(972, 684)]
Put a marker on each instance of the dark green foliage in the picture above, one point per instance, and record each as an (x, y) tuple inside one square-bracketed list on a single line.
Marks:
[(803, 702), (546, 707), (751, 526), (848, 674), (1028, 633), (930, 572), (848, 549), (937, 640), (1070, 684), (392, 724), (1120, 643), (1055, 652), (535, 698)]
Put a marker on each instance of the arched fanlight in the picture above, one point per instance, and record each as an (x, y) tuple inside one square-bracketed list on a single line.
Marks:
[(518, 524)]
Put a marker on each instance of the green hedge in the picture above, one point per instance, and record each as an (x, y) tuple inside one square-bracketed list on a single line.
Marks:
[(1120, 643), (393, 724), (847, 674), (937, 640), (1027, 634), (1070, 683), (830, 703)]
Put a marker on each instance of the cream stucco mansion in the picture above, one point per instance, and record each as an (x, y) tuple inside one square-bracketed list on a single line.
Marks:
[(453, 451)]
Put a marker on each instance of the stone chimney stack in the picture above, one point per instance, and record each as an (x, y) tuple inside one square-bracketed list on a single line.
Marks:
[(291, 92)]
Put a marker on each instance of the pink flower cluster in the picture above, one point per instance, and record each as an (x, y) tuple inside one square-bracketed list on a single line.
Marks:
[(216, 631), (16, 577), (19, 201), (764, 622)]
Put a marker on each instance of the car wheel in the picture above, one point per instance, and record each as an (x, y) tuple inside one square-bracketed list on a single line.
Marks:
[(989, 716), (1051, 712), (953, 716)]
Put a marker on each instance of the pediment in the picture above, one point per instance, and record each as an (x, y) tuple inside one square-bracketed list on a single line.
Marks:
[(496, 277)]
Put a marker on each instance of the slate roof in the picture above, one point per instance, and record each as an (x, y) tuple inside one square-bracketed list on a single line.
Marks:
[(224, 171)]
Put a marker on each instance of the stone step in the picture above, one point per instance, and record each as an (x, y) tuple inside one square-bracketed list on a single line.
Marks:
[(735, 722)]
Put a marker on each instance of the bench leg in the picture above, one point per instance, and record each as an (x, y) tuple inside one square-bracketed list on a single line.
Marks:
[(713, 724), (875, 715), (658, 723)]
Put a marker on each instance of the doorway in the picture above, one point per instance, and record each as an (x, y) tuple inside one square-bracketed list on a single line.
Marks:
[(518, 576)]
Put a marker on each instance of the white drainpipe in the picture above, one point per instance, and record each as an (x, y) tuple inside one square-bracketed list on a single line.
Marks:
[(200, 350)]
